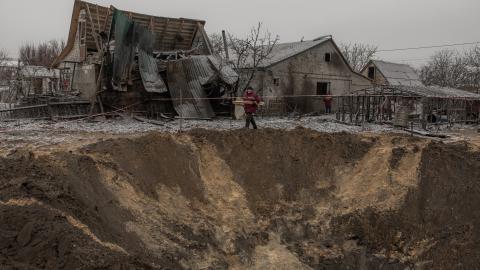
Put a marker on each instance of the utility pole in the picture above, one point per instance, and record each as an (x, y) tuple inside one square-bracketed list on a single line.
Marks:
[(225, 45)]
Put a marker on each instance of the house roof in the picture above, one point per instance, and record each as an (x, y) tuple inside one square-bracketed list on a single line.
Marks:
[(9, 64), (30, 71), (283, 51), (39, 72), (397, 74), (419, 91), (171, 33), (437, 91)]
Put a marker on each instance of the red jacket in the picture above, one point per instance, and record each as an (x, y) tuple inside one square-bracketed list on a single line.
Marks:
[(328, 101), (251, 101)]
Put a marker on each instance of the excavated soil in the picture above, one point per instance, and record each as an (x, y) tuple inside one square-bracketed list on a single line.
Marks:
[(267, 199)]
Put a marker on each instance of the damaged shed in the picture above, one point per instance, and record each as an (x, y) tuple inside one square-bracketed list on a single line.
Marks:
[(123, 60), (403, 105)]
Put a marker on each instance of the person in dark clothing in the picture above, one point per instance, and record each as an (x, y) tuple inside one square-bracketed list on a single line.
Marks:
[(328, 103), (250, 105)]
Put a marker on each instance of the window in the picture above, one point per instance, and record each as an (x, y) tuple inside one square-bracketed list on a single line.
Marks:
[(276, 81), (371, 73), (322, 88), (328, 57)]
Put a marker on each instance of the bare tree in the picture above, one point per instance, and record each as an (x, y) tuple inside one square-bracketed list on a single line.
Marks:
[(3, 56), (247, 53), (472, 58), (6, 73), (358, 54), (3, 60), (42, 54), (216, 39), (446, 68)]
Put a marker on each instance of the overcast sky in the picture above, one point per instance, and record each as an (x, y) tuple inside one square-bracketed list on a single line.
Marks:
[(388, 24)]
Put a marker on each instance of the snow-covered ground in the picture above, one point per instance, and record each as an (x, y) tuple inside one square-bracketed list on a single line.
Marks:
[(37, 134), (130, 126)]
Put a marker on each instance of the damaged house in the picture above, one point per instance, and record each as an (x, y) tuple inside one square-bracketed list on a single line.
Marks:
[(309, 69), (123, 60), (20, 83)]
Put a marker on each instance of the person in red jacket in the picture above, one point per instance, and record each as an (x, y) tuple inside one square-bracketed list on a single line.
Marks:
[(250, 105), (328, 103)]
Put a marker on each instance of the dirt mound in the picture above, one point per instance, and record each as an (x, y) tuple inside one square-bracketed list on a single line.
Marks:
[(242, 200)]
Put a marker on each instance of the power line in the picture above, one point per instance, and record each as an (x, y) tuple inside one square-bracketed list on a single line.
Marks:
[(409, 60), (429, 47)]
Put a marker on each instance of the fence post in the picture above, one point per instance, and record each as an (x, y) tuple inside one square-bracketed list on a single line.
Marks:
[(49, 109)]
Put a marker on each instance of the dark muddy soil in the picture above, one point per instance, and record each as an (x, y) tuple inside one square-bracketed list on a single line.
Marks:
[(268, 199)]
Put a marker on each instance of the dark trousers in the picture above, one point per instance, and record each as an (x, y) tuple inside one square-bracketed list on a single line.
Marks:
[(328, 109), (249, 120)]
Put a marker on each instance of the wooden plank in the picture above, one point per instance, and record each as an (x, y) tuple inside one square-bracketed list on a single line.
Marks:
[(178, 33), (192, 39), (98, 17), (152, 23), (94, 32), (162, 35), (205, 38), (173, 31)]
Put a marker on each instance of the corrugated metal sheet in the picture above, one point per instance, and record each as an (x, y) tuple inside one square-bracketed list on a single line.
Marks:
[(418, 91), (436, 91), (186, 78), (398, 74), (224, 69), (152, 81)]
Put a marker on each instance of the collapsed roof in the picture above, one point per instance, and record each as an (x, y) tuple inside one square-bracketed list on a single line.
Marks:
[(158, 58), (171, 33)]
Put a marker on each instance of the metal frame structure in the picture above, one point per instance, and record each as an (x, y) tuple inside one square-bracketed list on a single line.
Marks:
[(401, 106)]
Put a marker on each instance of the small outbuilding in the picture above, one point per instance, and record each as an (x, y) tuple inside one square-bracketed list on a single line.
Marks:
[(392, 74)]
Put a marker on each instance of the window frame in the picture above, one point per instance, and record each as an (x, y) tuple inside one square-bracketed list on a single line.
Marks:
[(276, 81), (327, 57), (372, 68), (327, 89)]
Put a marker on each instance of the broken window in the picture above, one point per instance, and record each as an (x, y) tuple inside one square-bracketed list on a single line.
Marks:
[(371, 73), (322, 88), (328, 57), (276, 81)]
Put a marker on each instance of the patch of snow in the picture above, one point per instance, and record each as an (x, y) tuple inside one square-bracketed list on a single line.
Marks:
[(131, 126)]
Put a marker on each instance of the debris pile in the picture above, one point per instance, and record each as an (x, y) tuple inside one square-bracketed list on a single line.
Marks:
[(120, 61)]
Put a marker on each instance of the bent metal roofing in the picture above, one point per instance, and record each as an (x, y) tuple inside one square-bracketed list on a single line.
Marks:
[(171, 33)]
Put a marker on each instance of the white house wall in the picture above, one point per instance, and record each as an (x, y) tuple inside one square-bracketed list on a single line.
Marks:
[(300, 74)]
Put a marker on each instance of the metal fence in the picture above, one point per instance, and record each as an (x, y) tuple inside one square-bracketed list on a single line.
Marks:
[(400, 111)]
